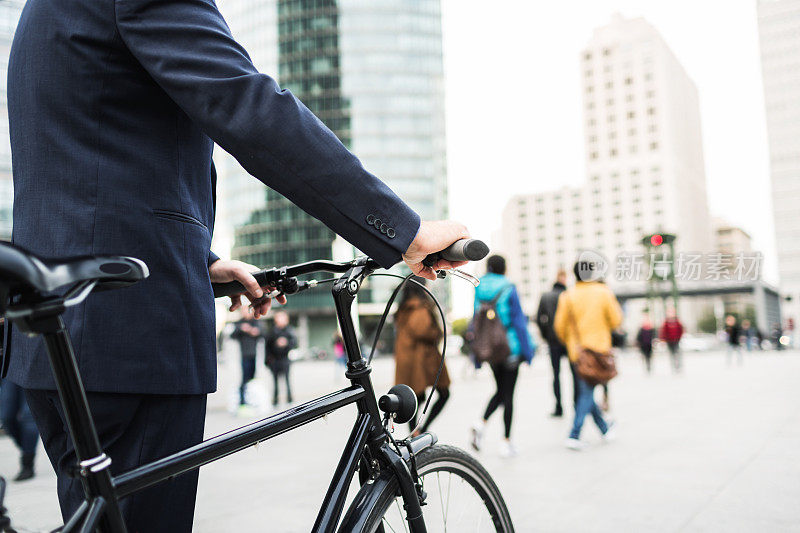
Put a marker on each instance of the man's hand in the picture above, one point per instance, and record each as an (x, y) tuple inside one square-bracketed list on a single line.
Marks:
[(434, 237), (224, 271)]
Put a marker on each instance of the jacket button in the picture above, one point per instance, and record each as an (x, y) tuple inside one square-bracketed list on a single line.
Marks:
[(377, 223), (370, 219), (390, 233), (383, 228)]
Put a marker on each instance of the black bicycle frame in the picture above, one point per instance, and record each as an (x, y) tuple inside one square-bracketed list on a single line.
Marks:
[(366, 448)]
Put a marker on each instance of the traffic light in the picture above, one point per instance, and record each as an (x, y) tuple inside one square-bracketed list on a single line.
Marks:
[(657, 239)]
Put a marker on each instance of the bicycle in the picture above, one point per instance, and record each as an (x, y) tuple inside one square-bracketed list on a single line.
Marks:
[(397, 477)]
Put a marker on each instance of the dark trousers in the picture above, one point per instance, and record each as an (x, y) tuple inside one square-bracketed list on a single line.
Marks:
[(280, 367), (248, 373), (506, 379), (436, 408), (647, 353), (133, 429), (557, 352), (17, 418)]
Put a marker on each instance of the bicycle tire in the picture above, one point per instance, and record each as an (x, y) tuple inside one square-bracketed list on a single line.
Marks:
[(437, 459)]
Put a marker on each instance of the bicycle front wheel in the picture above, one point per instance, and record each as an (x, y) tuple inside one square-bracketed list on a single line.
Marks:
[(461, 497)]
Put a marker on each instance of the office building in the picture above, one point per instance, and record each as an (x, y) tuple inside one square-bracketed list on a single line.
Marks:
[(644, 164), (373, 73), (779, 31), (9, 16)]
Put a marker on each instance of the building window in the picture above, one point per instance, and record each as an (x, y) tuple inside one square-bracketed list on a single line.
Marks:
[(612, 152), (654, 146), (631, 114)]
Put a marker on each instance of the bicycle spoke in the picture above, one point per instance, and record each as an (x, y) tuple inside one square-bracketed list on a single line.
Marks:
[(386, 523), (447, 506), (441, 502), (399, 512)]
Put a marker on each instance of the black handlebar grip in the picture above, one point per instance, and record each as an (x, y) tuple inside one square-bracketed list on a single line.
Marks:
[(234, 287), (462, 250), (227, 289)]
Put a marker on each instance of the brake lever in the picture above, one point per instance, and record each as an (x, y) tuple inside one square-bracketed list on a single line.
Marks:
[(459, 274)]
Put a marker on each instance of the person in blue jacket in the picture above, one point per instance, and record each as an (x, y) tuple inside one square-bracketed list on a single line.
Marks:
[(520, 342)]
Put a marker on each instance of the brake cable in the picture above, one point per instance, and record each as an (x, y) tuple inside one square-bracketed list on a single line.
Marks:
[(382, 322)]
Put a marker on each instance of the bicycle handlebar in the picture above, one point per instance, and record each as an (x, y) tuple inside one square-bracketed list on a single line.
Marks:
[(462, 250)]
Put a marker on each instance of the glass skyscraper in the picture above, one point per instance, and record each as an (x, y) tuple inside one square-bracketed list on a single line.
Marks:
[(372, 72), (9, 16)]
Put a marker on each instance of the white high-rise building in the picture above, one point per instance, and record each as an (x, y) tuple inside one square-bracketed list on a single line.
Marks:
[(644, 163), (9, 16), (779, 30)]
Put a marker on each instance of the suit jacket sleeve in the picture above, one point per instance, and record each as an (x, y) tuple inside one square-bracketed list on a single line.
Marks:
[(187, 48)]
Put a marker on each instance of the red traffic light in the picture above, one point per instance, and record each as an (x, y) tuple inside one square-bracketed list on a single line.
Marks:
[(656, 240)]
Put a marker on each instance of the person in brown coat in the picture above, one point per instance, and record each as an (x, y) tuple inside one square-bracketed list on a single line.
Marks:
[(416, 349)]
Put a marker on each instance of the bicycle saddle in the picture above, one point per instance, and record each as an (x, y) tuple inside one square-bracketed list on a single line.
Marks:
[(22, 270)]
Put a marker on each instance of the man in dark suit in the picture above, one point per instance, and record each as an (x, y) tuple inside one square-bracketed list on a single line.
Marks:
[(114, 107)]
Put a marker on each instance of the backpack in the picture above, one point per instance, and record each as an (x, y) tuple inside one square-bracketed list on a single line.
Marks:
[(490, 343)]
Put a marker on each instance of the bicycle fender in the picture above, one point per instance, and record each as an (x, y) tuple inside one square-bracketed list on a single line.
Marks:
[(367, 497)]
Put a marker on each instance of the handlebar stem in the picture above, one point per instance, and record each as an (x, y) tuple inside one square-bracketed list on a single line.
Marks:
[(358, 371)]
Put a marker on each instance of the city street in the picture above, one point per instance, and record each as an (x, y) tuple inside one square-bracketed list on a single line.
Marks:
[(714, 449)]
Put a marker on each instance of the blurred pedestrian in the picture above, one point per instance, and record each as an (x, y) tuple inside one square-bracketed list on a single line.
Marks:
[(18, 422), (16, 419), (777, 336), (671, 333), (545, 317), (749, 334), (416, 350), (247, 330), (586, 315), (339, 353), (644, 340), (279, 342), (733, 332), (495, 289)]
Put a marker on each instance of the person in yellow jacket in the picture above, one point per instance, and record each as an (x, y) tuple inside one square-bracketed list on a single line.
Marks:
[(585, 316)]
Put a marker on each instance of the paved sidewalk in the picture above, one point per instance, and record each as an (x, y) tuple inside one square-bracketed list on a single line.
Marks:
[(715, 449)]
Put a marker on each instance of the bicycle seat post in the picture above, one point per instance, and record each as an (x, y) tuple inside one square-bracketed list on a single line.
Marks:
[(93, 464)]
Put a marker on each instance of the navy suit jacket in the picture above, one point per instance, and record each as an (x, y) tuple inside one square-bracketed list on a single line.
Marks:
[(114, 106)]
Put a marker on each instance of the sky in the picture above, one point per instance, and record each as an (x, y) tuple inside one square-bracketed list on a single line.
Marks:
[(514, 122)]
